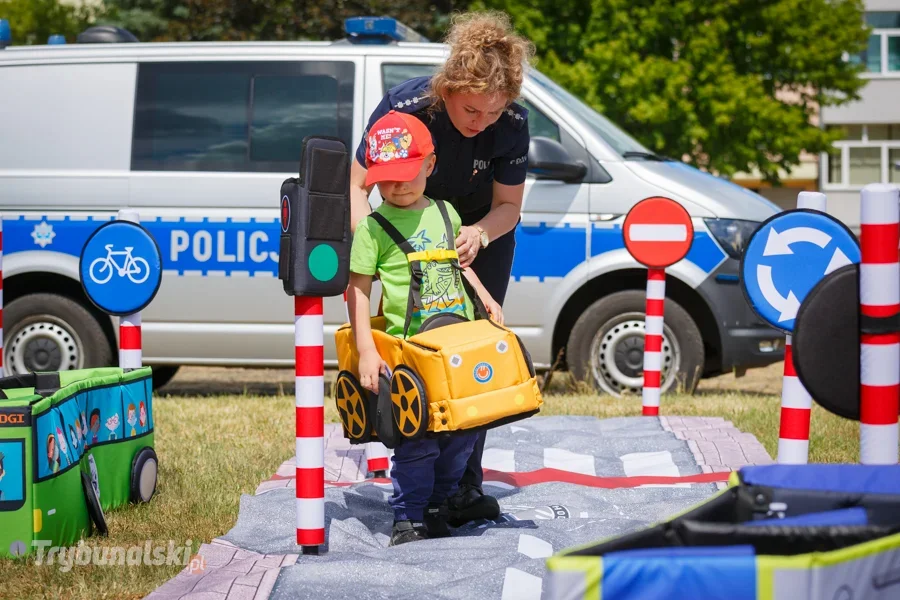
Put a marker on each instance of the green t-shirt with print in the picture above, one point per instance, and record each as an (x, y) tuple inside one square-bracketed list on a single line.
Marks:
[(373, 251)]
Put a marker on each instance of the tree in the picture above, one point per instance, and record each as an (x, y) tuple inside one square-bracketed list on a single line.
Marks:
[(33, 21), (729, 84), (209, 20)]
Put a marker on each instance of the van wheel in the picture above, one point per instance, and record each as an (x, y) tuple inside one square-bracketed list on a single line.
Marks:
[(606, 346), (163, 374), (49, 332)]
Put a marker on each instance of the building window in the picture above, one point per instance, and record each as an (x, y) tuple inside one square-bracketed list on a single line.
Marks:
[(237, 116), (882, 55), (893, 165), (865, 166), (866, 154)]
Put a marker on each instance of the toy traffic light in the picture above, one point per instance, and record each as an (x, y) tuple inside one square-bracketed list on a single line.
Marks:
[(314, 253)]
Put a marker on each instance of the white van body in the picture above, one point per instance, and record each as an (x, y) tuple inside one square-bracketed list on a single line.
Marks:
[(92, 128)]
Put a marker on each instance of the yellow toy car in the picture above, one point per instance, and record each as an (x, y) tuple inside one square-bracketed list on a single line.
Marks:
[(453, 375)]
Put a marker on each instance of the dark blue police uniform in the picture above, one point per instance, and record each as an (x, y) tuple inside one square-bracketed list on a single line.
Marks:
[(465, 171)]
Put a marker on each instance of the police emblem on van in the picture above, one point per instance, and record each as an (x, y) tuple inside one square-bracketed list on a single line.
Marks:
[(484, 372)]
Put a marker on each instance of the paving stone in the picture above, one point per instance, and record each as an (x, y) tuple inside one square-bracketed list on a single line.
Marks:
[(241, 567), (266, 585), (270, 561), (217, 555), (204, 596), (289, 560), (216, 581), (242, 592), (253, 579)]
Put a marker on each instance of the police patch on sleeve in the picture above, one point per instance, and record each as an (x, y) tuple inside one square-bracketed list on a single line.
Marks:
[(516, 115)]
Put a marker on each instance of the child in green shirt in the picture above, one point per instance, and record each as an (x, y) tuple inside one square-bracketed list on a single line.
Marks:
[(400, 158)]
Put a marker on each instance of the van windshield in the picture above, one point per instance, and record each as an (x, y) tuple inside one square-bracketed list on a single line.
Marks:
[(620, 141)]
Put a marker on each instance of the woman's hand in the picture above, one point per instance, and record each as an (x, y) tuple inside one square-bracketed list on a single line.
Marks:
[(468, 243), (370, 365)]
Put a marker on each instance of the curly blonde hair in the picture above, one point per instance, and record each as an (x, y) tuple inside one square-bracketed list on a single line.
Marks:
[(486, 57)]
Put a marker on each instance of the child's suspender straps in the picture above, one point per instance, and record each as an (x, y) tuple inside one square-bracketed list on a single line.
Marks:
[(415, 268), (416, 258)]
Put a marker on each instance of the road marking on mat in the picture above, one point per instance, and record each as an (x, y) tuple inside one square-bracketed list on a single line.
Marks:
[(499, 459), (534, 547), (557, 458), (519, 585), (660, 463)]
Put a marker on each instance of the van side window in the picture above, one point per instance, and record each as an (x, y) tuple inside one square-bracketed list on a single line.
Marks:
[(540, 124), (237, 116), (393, 74)]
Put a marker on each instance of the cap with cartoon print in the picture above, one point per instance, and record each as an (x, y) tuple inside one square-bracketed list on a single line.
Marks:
[(398, 144)]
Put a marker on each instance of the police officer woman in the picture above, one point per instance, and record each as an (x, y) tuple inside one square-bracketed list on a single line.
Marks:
[(481, 141)]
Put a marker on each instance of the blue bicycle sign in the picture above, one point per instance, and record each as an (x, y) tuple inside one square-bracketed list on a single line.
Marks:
[(136, 269), (120, 268)]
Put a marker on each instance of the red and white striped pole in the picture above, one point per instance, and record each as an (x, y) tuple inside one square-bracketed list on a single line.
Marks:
[(377, 460), (309, 395), (879, 296), (653, 336), (130, 355), (796, 403), (1, 296)]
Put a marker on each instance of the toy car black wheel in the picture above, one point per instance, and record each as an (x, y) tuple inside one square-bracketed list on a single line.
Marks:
[(385, 429), (144, 470), (93, 504), (353, 407), (408, 403)]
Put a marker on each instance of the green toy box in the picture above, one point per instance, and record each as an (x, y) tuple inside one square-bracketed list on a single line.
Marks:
[(73, 444)]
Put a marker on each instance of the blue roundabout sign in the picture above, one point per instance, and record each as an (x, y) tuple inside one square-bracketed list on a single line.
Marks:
[(120, 268), (787, 256)]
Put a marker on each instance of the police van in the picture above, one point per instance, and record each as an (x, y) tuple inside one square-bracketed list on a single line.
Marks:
[(198, 137)]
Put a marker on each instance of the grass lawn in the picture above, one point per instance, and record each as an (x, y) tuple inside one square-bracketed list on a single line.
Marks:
[(214, 448)]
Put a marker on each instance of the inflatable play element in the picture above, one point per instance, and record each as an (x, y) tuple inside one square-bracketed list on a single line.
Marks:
[(377, 458), (658, 233), (785, 257), (453, 375), (779, 532), (313, 262), (73, 445)]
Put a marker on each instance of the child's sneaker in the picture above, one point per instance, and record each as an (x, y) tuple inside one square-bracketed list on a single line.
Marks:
[(408, 531), (436, 516)]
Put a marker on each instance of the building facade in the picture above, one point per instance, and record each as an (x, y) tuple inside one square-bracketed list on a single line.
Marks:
[(869, 151)]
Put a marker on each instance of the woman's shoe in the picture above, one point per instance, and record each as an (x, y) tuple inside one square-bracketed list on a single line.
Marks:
[(470, 504)]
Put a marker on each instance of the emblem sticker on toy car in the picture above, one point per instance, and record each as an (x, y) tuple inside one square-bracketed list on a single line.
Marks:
[(455, 360), (502, 346), (483, 372)]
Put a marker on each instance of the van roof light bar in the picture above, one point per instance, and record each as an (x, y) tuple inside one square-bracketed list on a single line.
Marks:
[(380, 30)]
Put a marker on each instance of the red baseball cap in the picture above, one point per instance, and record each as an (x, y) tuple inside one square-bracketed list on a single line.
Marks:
[(397, 145)]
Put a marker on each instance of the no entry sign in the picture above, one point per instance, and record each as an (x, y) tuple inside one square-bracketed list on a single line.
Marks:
[(658, 232)]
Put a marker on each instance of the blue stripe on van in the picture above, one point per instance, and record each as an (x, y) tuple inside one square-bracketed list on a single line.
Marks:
[(225, 247), (704, 252)]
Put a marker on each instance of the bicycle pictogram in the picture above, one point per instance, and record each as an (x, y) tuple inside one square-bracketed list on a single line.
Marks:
[(135, 268)]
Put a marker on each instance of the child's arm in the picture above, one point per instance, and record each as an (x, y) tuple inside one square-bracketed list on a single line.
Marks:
[(370, 362), (490, 304)]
